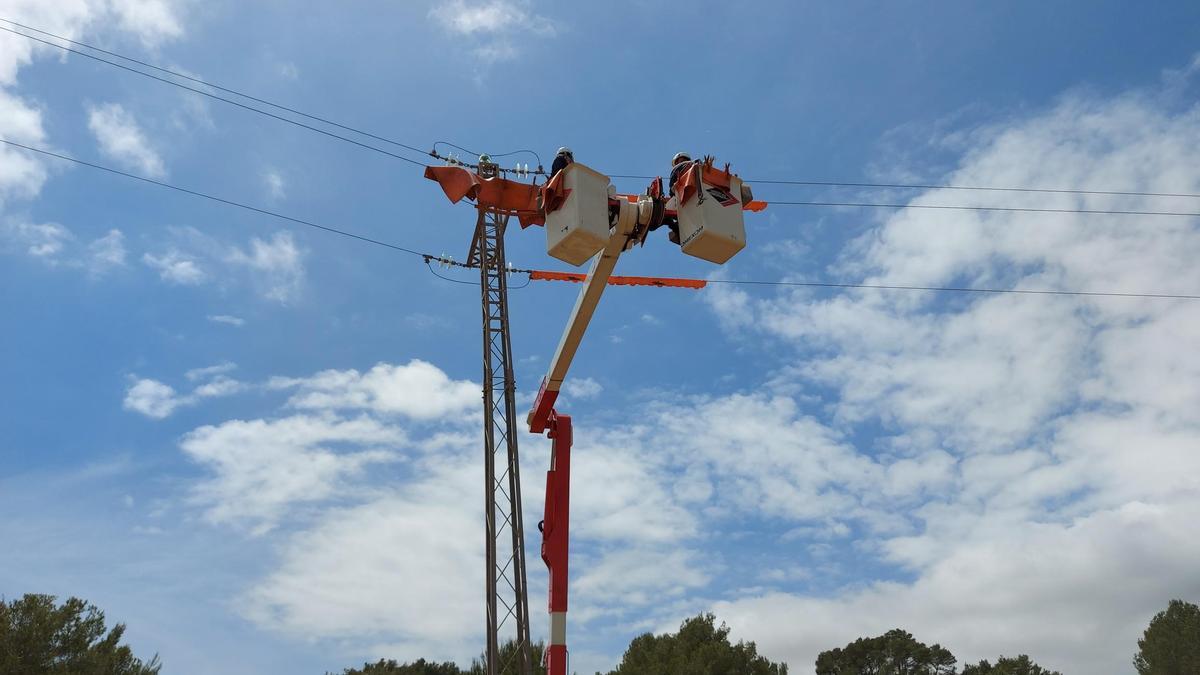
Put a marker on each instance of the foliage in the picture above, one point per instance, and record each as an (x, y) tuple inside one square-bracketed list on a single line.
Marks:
[(699, 648), (418, 667), (39, 637), (1020, 665), (508, 652), (1171, 644), (893, 653)]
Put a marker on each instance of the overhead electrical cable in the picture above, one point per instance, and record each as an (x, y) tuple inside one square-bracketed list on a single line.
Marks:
[(811, 183), (229, 202), (686, 283), (1020, 209), (920, 186), (228, 100)]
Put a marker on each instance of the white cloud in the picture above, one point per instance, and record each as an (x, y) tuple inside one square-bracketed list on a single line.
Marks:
[(210, 371), (353, 576), (176, 267), (417, 389), (1036, 455), (122, 139), (41, 240), (227, 319), (158, 400), (277, 265), (151, 398), (154, 21), (22, 175), (262, 467), (276, 187), (582, 388), (106, 253), (495, 26)]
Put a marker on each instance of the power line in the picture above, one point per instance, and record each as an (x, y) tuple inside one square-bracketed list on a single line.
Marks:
[(920, 186), (814, 183), (917, 186), (222, 200), (428, 257), (227, 100), (216, 86), (1021, 209)]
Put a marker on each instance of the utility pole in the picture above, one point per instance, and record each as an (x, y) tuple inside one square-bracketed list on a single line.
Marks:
[(507, 597)]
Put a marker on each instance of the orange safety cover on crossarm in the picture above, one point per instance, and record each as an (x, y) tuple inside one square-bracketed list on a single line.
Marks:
[(661, 282), (512, 197)]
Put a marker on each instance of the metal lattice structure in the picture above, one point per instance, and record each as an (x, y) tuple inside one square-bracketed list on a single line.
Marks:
[(507, 596)]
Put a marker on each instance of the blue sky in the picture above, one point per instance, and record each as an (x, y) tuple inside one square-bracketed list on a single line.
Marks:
[(257, 443)]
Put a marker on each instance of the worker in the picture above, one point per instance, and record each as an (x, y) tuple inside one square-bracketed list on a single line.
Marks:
[(561, 160), (679, 164)]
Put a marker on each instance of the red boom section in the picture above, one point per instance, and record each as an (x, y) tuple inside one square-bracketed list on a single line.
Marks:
[(555, 538)]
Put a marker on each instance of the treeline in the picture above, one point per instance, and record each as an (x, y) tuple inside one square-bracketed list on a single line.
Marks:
[(38, 636)]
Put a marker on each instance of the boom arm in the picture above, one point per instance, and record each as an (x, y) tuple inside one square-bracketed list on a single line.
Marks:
[(585, 306)]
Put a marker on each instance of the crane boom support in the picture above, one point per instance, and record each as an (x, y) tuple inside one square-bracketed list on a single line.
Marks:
[(581, 316)]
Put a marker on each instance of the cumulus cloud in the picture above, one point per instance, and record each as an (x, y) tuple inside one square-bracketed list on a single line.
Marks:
[(260, 467), (277, 265), (274, 266), (158, 400), (417, 389), (176, 267), (1033, 452), (106, 253), (40, 240), (121, 138), (495, 26)]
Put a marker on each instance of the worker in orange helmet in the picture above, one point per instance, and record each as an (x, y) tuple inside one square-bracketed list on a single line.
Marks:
[(562, 158)]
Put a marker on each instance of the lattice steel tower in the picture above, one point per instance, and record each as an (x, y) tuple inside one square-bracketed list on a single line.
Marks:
[(507, 597)]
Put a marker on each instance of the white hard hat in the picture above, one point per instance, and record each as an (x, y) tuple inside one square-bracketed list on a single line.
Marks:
[(564, 150), (680, 157)]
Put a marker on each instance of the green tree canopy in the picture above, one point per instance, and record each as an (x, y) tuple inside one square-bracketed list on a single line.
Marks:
[(699, 648), (893, 653), (1171, 644), (418, 667), (508, 652), (40, 637), (1020, 665)]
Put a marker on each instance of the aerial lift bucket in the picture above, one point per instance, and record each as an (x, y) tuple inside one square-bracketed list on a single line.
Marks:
[(711, 225), (576, 206)]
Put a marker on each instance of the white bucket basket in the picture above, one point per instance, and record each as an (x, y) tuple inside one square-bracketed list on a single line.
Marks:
[(711, 223), (578, 229)]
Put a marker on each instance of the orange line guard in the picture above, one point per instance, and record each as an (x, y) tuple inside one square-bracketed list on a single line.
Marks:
[(661, 282)]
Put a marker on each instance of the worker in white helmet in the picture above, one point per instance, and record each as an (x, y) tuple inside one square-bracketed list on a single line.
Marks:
[(679, 163), (562, 158)]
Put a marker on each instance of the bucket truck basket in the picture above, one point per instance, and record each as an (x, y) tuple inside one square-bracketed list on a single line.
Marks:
[(576, 207), (711, 225)]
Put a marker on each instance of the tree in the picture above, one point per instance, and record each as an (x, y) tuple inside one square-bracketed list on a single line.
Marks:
[(1006, 666), (893, 653), (1171, 644), (418, 667), (699, 648), (39, 637), (508, 652)]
